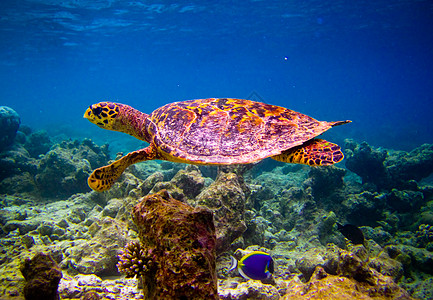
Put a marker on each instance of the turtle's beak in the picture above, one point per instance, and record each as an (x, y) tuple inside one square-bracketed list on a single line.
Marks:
[(88, 113)]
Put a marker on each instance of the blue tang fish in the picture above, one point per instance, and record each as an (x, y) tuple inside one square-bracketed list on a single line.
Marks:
[(256, 265)]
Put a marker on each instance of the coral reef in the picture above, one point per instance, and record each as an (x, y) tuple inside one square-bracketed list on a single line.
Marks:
[(64, 170), (325, 286), (37, 143), (226, 198), (424, 236), (252, 289), (61, 172), (185, 185), (99, 257), (180, 242), (289, 211), (367, 162), (326, 272), (42, 277), (9, 124), (389, 170), (81, 286), (16, 161), (325, 181), (92, 295)]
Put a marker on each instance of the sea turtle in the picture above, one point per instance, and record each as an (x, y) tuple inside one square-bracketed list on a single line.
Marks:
[(214, 132)]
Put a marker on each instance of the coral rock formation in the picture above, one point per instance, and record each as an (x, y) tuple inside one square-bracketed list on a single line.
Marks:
[(9, 123), (389, 170), (325, 286), (180, 242), (42, 277), (63, 171), (226, 198)]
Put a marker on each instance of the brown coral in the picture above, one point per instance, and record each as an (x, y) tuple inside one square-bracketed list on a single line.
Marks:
[(42, 277), (182, 242)]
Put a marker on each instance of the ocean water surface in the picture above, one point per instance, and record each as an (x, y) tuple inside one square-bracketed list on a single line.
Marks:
[(368, 62)]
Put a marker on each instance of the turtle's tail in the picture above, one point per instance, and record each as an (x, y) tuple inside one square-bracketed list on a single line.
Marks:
[(339, 123)]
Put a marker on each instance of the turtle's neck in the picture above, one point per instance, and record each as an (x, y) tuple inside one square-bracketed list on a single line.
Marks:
[(133, 122)]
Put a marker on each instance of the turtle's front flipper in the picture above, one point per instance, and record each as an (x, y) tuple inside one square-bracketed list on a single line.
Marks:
[(103, 178), (316, 152)]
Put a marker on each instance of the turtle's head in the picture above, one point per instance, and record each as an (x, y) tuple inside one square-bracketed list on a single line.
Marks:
[(104, 114), (118, 117)]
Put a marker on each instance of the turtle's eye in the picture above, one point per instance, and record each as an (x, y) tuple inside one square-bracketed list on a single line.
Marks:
[(97, 110)]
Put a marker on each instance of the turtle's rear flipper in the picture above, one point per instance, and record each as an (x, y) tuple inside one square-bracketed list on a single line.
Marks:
[(103, 178), (316, 152)]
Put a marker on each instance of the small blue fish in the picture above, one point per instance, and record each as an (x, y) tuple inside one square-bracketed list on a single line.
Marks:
[(256, 265)]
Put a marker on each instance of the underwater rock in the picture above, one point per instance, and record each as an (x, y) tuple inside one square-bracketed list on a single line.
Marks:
[(17, 170), (99, 255), (412, 258), (252, 289), (367, 162), (325, 181), (9, 124), (256, 228), (42, 277), (404, 201), (51, 221), (150, 182), (364, 208), (112, 208), (184, 186), (310, 260), (180, 241), (282, 177), (38, 143), (19, 184), (424, 236), (11, 280), (326, 230), (416, 165), (392, 210), (91, 295), (259, 196), (326, 286), (81, 286), (387, 266), (128, 185), (297, 208), (172, 189), (424, 289), (23, 226), (354, 263), (386, 169), (190, 181), (377, 234), (226, 198), (64, 170)]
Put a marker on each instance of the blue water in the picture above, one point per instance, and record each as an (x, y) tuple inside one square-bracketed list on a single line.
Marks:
[(368, 61)]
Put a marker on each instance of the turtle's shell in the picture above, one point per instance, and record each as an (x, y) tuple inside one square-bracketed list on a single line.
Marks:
[(228, 131)]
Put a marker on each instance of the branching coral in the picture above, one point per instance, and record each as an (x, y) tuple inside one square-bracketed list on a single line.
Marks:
[(134, 260)]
